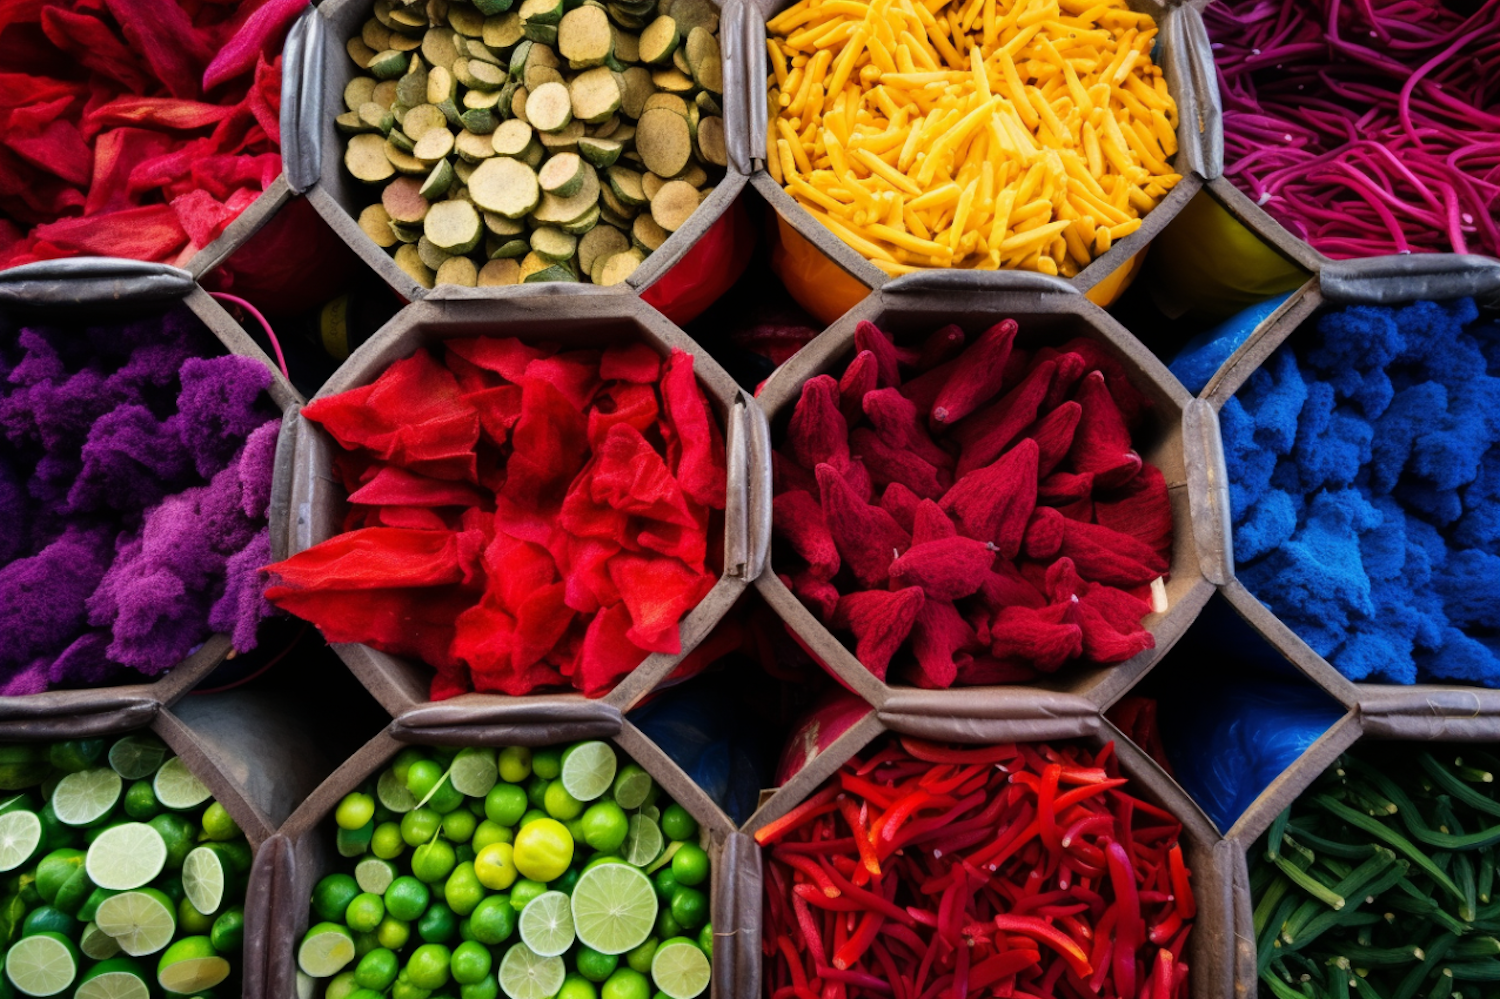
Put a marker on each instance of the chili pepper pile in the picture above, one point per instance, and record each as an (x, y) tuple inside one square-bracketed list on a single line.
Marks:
[(1015, 529), (924, 870), (520, 516), (1365, 128), (1377, 881), (135, 478), (135, 128)]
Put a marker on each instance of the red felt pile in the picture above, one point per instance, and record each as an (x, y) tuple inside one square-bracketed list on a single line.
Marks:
[(520, 517), (979, 505), (135, 128)]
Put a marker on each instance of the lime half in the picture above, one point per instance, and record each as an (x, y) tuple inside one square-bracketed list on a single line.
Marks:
[(120, 978), (42, 964), (126, 856), (525, 974), (632, 787), (20, 835), (203, 879), (588, 770), (475, 771), (325, 950), (374, 875), (680, 969), (191, 965), (96, 944), (85, 797), (177, 788), (614, 908), (546, 924), (642, 841), (136, 757), (393, 794), (142, 922)]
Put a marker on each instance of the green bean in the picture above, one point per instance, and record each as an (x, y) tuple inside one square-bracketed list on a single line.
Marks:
[(1278, 827), (1268, 903), (1267, 944), (1394, 839), (1436, 952), (1320, 844), (1474, 948), (1476, 971), (1352, 886), (1420, 830), (1486, 875), (1302, 879), (1444, 986), (1338, 978), (1456, 787), (1328, 920)]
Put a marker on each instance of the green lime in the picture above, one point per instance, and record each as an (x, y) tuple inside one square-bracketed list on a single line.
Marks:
[(565, 883), (406, 898), (190, 921), (614, 908), (204, 877), (689, 908), (690, 865), (419, 825), (680, 969), (325, 949), (496, 867), (437, 924), (444, 798), (236, 852), (115, 978), (354, 811), (640, 958), (532, 814), (642, 841), (588, 769), (74, 755), (493, 920), (575, 828), (85, 797), (74, 893), (365, 912), (386, 842), (136, 757), (178, 834), (427, 968), (487, 987), (372, 874), (677, 823), (228, 931), (490, 832), (48, 919), (432, 862), (392, 792), (126, 856), (666, 884), (143, 921), (332, 895), (217, 823), (377, 970), (96, 944), (355, 842), (392, 933), (463, 891), (340, 986), (593, 965), (177, 788), (536, 792), (171, 887), (559, 804), (474, 772), (632, 787), (626, 983), (515, 764), (365, 942), (459, 825), (20, 836), (546, 763), (666, 926), (523, 891), (140, 801), (471, 962), (43, 964), (525, 974), (604, 826), (54, 870), (505, 804), (191, 965), (543, 850), (546, 924), (576, 986), (706, 939)]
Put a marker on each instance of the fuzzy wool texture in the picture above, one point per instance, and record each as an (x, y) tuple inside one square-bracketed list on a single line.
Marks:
[(135, 478), (1364, 469)]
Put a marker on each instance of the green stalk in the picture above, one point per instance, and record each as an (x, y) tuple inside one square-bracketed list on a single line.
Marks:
[(1393, 839)]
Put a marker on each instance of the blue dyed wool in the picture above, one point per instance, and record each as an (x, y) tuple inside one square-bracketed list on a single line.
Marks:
[(1364, 468)]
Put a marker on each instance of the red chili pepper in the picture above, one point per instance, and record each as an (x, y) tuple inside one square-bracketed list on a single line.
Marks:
[(854, 948), (1046, 933), (1187, 907), (870, 791), (810, 869), (812, 939), (1162, 932), (805, 812), (862, 842), (931, 752), (1046, 807), (813, 895)]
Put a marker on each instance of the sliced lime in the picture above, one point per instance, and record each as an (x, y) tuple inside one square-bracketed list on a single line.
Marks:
[(325, 950), (588, 769), (614, 908), (136, 757), (546, 924), (203, 879), (85, 797), (96, 944), (374, 875), (680, 969), (190, 966), (642, 841), (475, 771), (119, 978), (392, 792), (632, 787), (126, 856), (20, 835), (42, 964), (525, 974), (142, 921), (307, 985), (177, 788)]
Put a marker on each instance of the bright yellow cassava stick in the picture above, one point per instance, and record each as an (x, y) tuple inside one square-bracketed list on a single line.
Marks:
[(971, 133)]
